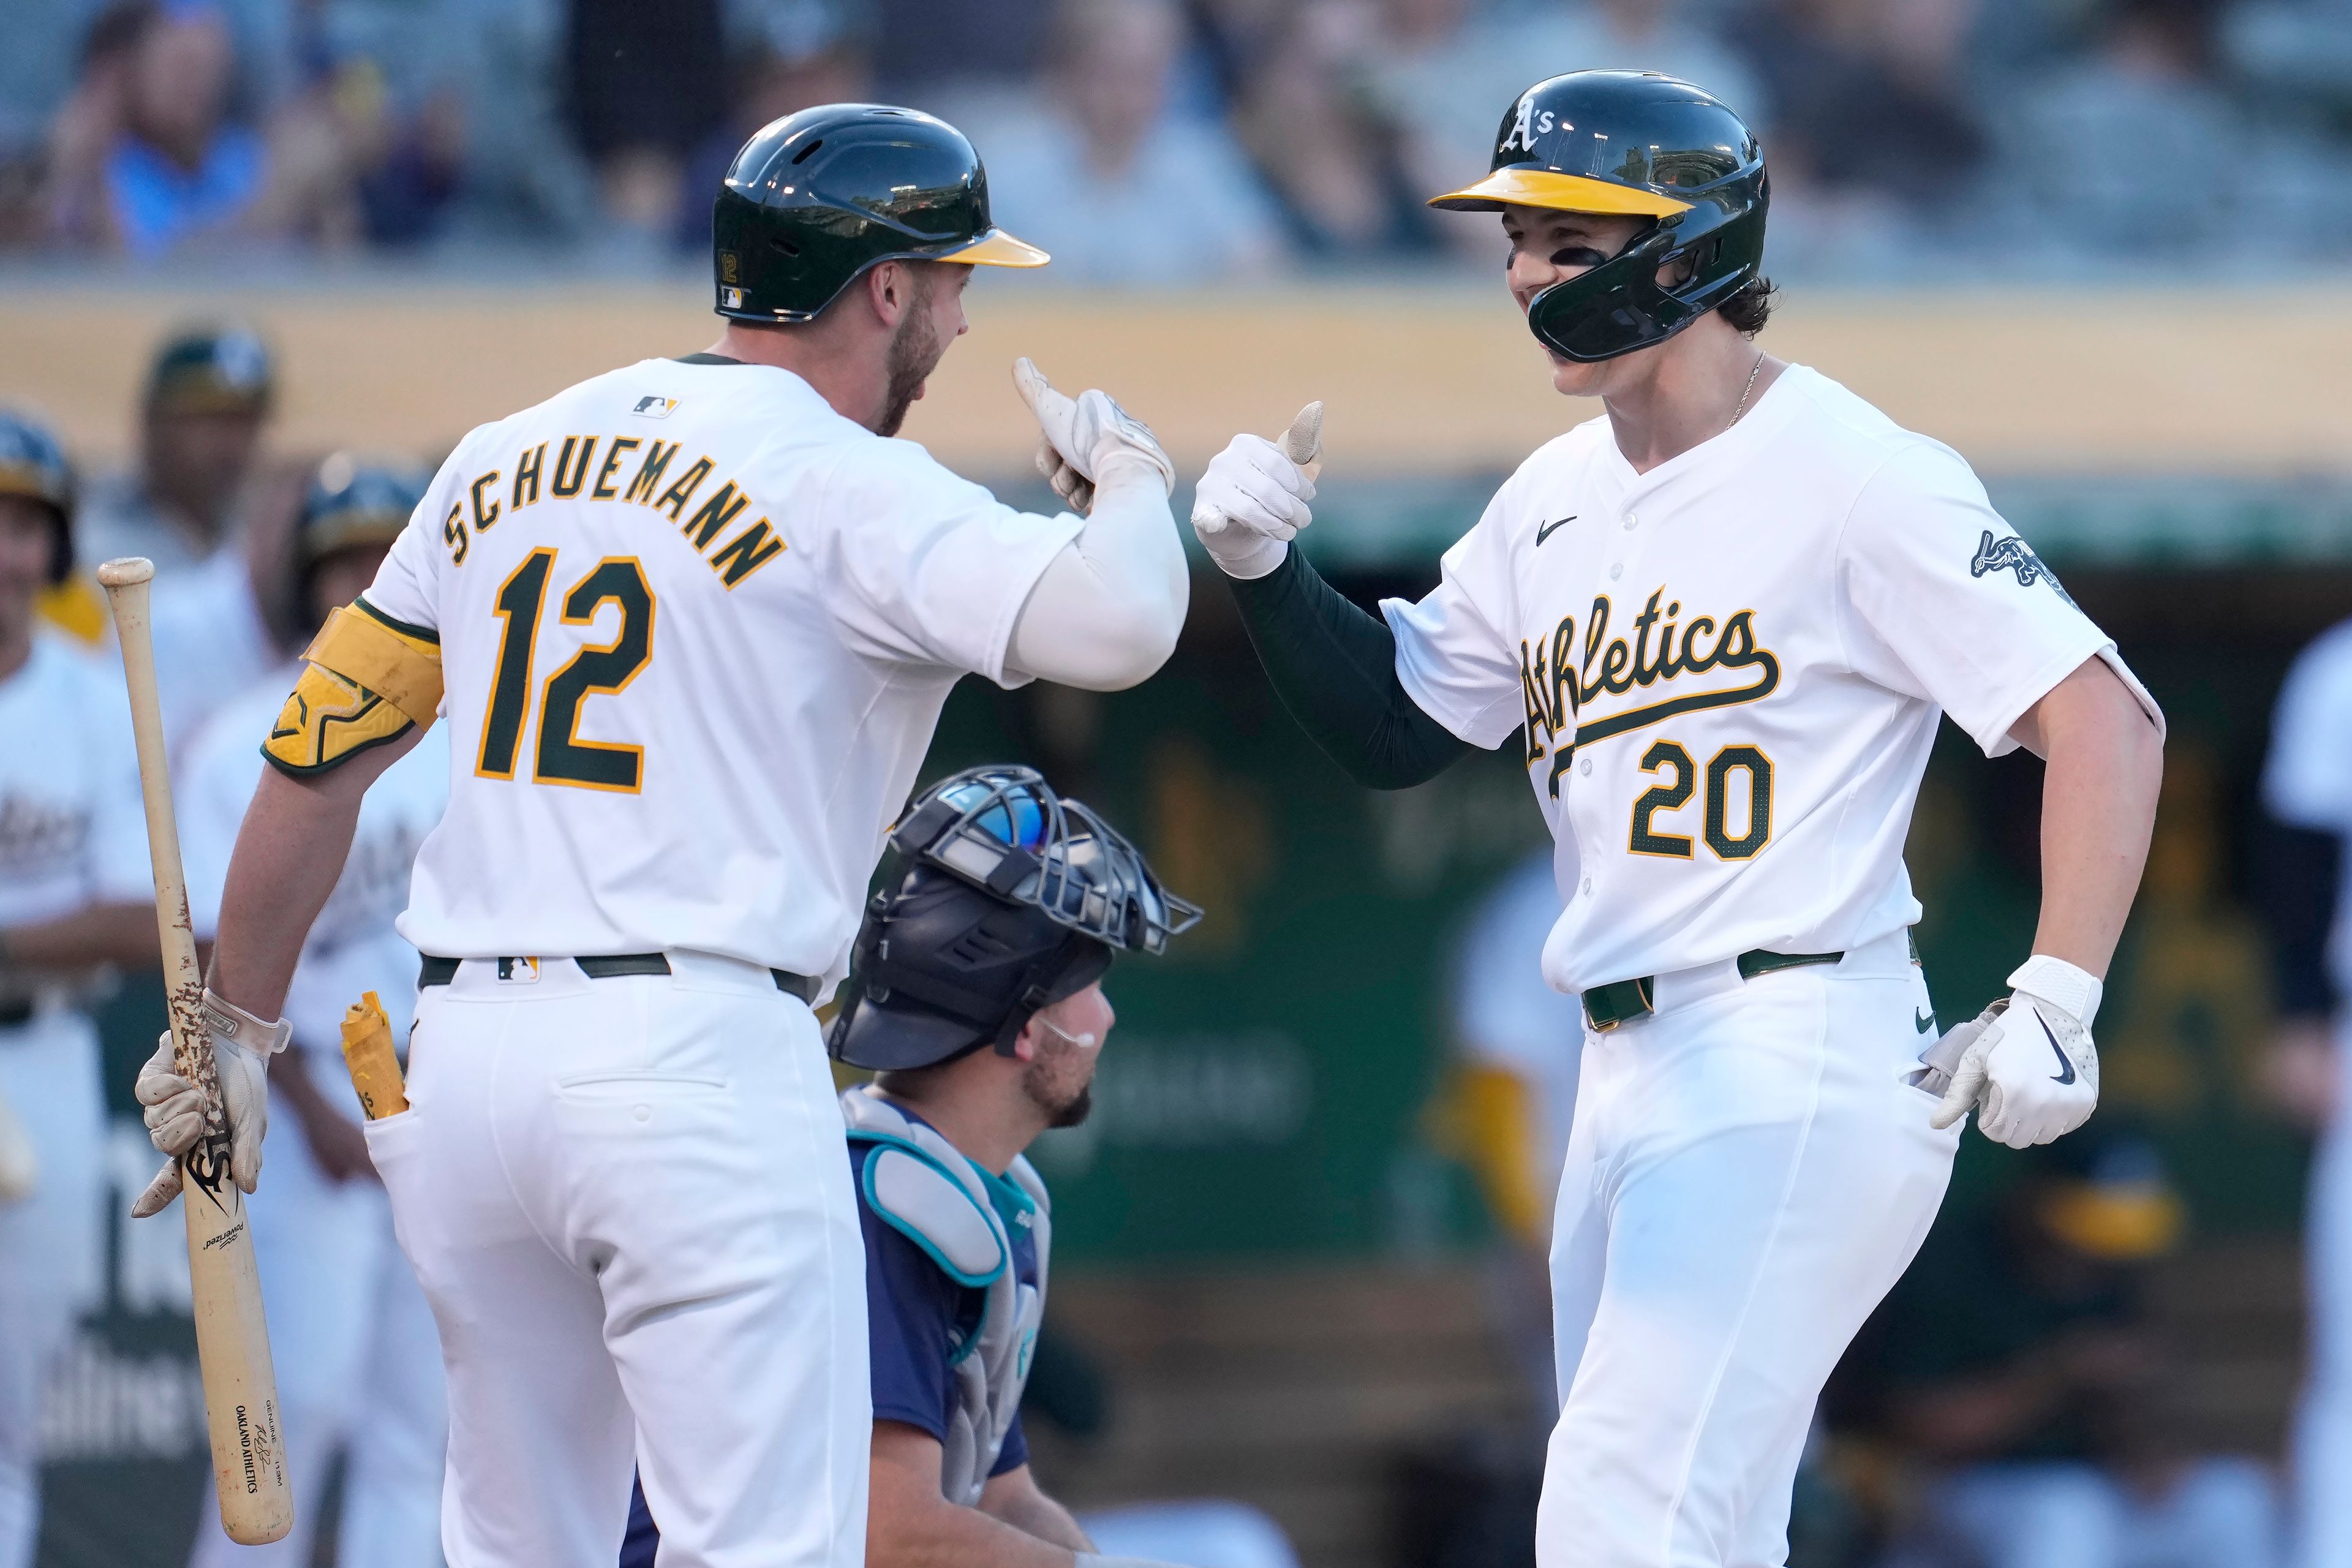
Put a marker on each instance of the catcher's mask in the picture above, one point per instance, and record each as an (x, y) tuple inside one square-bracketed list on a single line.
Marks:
[(1010, 900)]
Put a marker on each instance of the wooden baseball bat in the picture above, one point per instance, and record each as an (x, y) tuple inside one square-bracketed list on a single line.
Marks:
[(232, 1339)]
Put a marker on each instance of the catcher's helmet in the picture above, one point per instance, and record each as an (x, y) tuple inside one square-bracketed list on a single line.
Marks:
[(817, 197), (1638, 144), (1012, 899), (33, 464), (353, 501)]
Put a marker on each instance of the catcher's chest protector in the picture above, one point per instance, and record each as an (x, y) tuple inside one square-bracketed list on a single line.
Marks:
[(926, 1189)]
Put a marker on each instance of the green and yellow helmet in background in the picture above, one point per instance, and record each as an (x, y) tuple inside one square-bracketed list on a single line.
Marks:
[(1631, 143), (33, 464), (815, 198)]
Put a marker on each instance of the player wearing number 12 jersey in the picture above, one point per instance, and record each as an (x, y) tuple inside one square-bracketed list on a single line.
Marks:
[(1724, 621), (689, 625)]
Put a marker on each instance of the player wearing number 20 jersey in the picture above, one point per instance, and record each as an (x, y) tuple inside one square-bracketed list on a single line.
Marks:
[(1724, 621)]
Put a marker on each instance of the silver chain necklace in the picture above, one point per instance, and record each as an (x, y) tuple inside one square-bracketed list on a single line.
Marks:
[(1753, 372)]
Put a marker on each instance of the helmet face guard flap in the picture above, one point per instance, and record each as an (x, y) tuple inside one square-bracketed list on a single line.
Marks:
[(1012, 900), (1631, 143)]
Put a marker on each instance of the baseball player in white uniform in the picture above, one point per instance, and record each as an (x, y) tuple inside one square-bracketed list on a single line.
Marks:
[(2307, 792), (1725, 620), (695, 620), (75, 893), (358, 1363)]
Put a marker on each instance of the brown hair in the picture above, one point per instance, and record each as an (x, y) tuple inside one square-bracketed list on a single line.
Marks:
[(1750, 308)]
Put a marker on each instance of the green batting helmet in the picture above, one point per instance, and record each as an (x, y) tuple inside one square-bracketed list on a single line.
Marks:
[(32, 464), (817, 197), (1639, 144), (352, 501)]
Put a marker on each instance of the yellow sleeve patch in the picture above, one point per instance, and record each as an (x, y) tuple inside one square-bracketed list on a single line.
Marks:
[(327, 720), (367, 652)]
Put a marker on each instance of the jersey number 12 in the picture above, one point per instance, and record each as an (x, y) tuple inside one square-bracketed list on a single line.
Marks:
[(563, 758)]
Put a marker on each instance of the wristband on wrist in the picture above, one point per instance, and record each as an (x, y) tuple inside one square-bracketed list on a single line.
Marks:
[(226, 1021), (2061, 984)]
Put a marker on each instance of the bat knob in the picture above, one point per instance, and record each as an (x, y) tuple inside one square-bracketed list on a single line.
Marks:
[(126, 571)]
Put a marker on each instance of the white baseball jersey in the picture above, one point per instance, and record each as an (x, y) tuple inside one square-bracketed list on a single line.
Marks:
[(2307, 782), (1728, 671), (695, 629), (72, 829), (353, 946)]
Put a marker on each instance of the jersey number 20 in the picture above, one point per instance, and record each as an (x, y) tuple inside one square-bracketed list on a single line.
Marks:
[(563, 758), (1727, 845)]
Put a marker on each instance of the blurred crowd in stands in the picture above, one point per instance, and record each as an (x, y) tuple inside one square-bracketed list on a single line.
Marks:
[(1161, 140)]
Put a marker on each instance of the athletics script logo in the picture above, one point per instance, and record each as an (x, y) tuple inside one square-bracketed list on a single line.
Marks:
[(2014, 554), (1558, 680)]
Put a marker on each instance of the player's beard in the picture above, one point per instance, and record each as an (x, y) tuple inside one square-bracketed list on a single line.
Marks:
[(1047, 1080), (913, 354)]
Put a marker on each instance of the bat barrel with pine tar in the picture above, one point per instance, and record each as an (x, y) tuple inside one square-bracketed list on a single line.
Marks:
[(232, 1339)]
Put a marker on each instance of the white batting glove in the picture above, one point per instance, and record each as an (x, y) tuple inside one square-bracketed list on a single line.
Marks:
[(178, 1116), (1252, 501), (2026, 1064), (1085, 436)]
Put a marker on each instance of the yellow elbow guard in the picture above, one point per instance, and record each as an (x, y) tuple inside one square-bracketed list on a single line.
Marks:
[(368, 681)]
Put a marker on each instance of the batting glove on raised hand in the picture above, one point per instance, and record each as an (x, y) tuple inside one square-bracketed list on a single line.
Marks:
[(1252, 501), (2026, 1064), (1082, 436), (178, 1115)]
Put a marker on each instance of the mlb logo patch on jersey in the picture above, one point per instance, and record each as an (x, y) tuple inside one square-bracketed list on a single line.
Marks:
[(655, 407)]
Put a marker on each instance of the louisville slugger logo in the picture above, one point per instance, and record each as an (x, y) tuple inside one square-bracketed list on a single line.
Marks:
[(2014, 554)]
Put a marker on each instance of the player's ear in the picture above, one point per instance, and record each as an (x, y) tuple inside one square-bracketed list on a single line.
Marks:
[(889, 287)]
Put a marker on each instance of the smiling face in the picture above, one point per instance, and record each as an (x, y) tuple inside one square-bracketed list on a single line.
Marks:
[(1548, 247)]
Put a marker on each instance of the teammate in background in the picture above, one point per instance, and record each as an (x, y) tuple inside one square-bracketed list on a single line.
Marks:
[(187, 505), (2023, 1359), (2307, 793), (75, 894), (1725, 618), (358, 1365), (1515, 1095), (696, 618), (977, 999)]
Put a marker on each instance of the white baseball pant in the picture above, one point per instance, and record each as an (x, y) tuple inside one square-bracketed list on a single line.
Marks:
[(358, 1363), (2323, 1428), (627, 1201), (51, 1244), (1748, 1175)]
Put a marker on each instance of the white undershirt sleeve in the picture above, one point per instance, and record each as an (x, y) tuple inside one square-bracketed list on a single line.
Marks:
[(1108, 609)]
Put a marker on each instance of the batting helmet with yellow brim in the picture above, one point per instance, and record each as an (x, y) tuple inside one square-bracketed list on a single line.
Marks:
[(33, 465), (816, 198), (1632, 144)]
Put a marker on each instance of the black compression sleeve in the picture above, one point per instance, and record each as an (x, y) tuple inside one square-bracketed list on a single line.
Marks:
[(1334, 667), (2295, 871)]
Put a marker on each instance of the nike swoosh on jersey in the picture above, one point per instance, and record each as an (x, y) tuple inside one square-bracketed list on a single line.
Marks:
[(1544, 530), (2065, 1073), (1925, 1021)]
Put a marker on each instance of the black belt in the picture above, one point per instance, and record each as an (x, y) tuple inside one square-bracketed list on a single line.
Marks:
[(18, 1012), (1622, 1001), (441, 971)]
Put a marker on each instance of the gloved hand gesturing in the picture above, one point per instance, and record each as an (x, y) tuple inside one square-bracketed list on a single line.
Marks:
[(1252, 501), (2026, 1064), (1082, 436)]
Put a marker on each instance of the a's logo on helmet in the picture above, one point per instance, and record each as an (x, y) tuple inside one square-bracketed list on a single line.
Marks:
[(730, 268), (1526, 125)]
